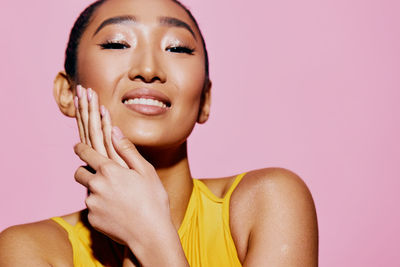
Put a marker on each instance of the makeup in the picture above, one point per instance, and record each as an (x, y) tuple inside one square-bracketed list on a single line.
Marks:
[(147, 101)]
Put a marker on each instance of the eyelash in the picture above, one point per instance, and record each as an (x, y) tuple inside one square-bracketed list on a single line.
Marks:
[(114, 45), (124, 45), (180, 50)]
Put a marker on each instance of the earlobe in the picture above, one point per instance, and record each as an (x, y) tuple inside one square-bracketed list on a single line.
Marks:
[(63, 94), (205, 104)]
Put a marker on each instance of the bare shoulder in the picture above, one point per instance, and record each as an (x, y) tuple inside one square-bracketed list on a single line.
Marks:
[(275, 208), (272, 183), (42, 243), (268, 181)]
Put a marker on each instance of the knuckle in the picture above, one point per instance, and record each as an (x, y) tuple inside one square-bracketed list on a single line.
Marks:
[(106, 168), (93, 185), (89, 202), (126, 146), (84, 150), (92, 219), (77, 148), (78, 173)]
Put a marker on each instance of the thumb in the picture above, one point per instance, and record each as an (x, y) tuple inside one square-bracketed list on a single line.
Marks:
[(126, 150)]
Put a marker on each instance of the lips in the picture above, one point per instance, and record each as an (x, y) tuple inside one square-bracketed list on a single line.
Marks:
[(146, 101)]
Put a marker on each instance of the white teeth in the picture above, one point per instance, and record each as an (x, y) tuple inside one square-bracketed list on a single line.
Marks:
[(145, 101)]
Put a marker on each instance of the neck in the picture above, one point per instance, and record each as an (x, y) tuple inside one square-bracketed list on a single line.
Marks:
[(168, 161), (172, 167)]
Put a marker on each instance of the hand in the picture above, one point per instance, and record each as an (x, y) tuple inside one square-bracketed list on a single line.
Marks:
[(129, 205), (94, 130)]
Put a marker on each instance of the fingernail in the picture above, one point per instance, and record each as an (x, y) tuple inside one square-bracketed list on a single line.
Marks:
[(102, 110), (117, 133), (76, 102), (79, 91), (89, 94)]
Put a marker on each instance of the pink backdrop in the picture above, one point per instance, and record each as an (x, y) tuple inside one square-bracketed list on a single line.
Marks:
[(313, 86)]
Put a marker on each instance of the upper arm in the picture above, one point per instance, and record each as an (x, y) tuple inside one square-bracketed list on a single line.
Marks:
[(284, 231), (18, 248)]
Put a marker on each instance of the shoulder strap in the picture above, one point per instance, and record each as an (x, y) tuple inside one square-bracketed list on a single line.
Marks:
[(63, 224), (234, 185)]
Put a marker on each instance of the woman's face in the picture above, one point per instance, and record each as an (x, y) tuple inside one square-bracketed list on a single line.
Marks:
[(145, 60)]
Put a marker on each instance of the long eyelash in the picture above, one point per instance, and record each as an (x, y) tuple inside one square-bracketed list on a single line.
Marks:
[(114, 45), (181, 49)]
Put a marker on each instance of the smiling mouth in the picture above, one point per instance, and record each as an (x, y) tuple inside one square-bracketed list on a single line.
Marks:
[(147, 102)]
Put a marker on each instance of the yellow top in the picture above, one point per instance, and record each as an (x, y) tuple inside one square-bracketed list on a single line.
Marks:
[(205, 233)]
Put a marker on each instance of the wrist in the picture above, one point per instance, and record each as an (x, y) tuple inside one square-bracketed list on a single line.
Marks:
[(161, 248)]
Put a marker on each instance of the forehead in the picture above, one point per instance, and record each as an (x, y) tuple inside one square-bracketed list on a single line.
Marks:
[(144, 11)]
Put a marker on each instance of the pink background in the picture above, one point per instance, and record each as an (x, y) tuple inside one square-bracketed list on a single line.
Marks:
[(313, 86)]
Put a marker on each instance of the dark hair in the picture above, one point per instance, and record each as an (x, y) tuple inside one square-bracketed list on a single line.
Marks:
[(80, 25)]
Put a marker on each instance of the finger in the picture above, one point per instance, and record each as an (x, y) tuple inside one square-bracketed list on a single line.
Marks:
[(106, 125), (79, 120), (95, 132), (127, 151), (83, 176), (90, 156), (83, 108)]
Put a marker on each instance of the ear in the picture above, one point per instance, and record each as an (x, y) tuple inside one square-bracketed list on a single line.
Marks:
[(64, 94), (205, 104)]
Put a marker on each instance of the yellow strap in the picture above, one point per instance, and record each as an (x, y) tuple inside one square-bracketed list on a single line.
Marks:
[(199, 184), (63, 224), (234, 185)]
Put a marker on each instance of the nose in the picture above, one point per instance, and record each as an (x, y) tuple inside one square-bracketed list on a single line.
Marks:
[(146, 67)]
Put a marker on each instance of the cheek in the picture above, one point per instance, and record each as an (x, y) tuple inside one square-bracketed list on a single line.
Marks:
[(99, 70), (189, 78)]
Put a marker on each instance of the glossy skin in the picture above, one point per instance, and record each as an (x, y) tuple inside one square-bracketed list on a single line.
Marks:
[(272, 215), (148, 61)]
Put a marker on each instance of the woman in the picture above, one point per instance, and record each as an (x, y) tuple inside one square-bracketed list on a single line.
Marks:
[(147, 65)]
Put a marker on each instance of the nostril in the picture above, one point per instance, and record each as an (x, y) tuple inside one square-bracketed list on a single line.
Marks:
[(154, 79), (149, 79)]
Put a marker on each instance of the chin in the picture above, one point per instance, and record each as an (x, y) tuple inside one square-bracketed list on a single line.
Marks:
[(156, 141), (155, 136)]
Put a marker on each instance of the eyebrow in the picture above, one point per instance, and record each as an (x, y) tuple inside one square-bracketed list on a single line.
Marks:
[(166, 21), (174, 22), (116, 20)]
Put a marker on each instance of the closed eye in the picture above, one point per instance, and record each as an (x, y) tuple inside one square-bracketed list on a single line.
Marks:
[(180, 49), (114, 45)]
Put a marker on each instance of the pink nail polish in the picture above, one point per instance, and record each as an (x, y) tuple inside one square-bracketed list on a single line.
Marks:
[(102, 110), (89, 94), (117, 133), (79, 91), (76, 102)]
